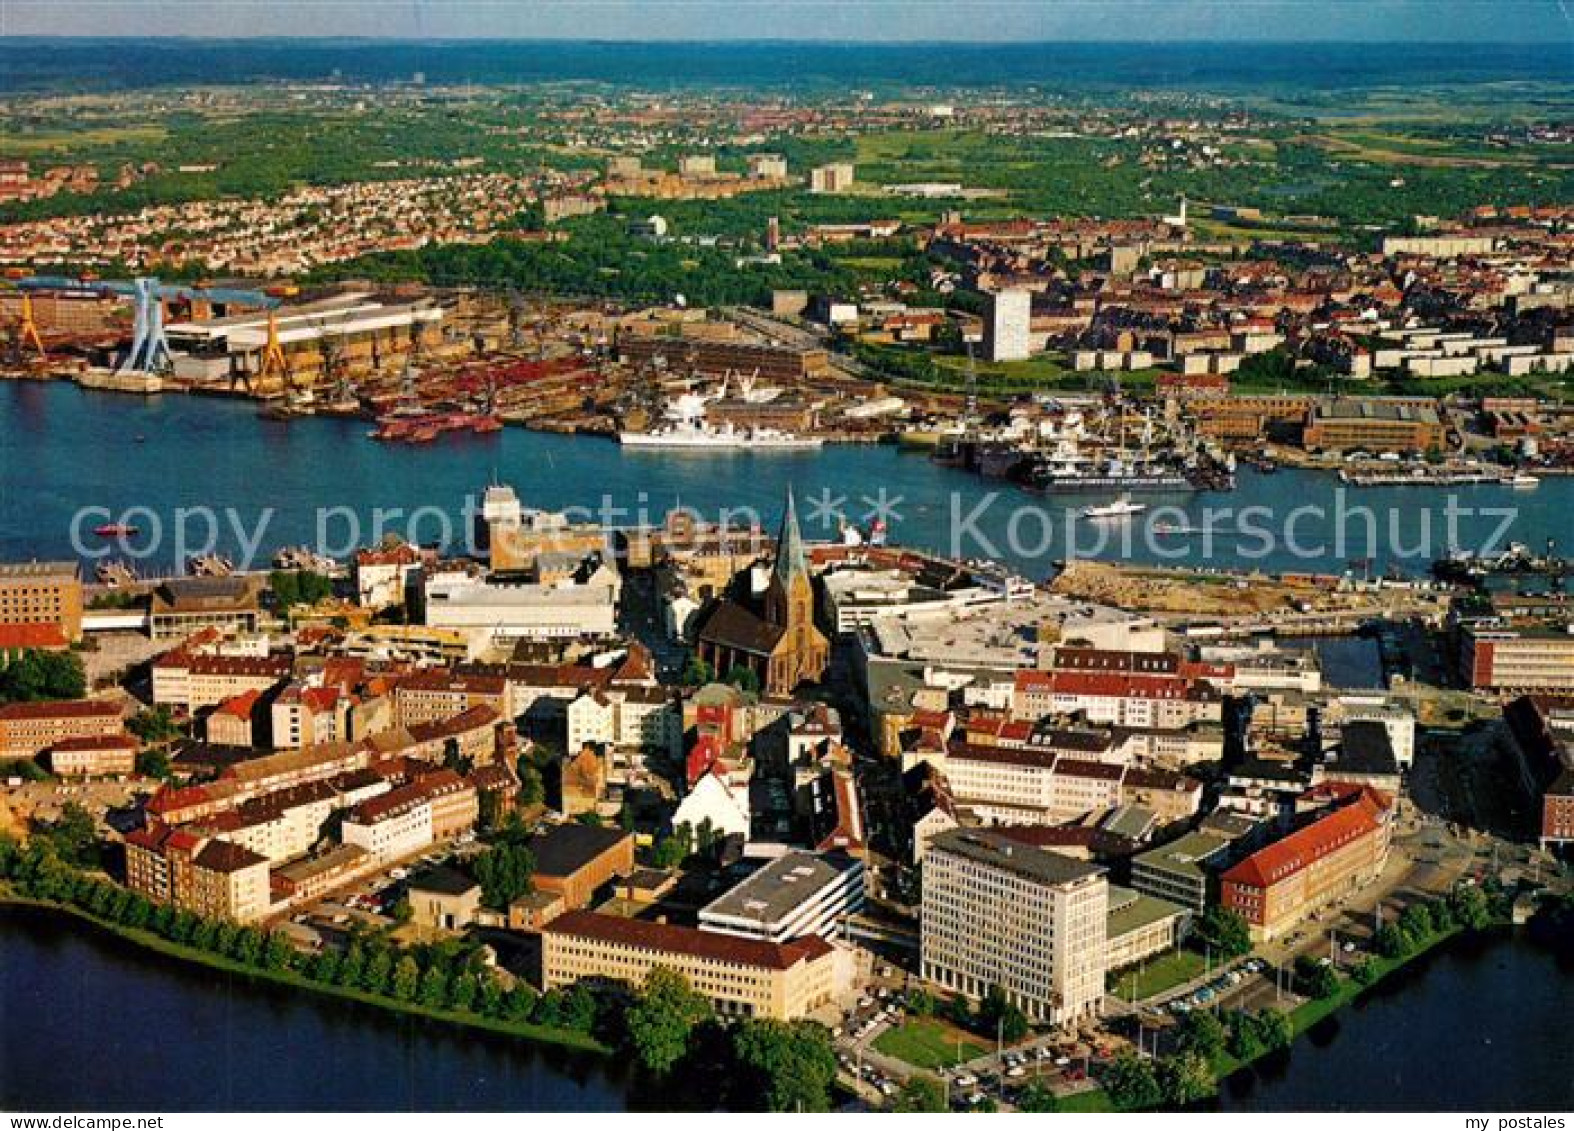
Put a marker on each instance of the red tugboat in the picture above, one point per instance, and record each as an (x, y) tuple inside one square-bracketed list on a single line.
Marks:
[(115, 530)]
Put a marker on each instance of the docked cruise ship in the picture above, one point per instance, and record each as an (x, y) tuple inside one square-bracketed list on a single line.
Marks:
[(686, 430)]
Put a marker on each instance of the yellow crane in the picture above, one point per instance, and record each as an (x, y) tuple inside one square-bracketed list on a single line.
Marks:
[(27, 327), (273, 360)]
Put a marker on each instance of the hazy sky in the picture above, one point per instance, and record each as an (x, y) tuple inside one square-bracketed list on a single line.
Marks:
[(1448, 20)]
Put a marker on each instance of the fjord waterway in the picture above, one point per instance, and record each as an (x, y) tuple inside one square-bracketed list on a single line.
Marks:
[(74, 457)]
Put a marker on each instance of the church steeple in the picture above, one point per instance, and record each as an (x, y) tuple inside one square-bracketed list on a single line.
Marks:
[(790, 558)]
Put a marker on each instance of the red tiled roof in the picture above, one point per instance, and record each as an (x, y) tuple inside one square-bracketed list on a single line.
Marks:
[(239, 706), (60, 709), (470, 719), (441, 679), (419, 792), (32, 635), (1305, 846), (96, 742)]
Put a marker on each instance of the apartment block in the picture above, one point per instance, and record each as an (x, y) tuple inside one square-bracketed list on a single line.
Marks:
[(108, 755), (28, 729), (41, 593), (210, 877), (1528, 659), (1000, 913)]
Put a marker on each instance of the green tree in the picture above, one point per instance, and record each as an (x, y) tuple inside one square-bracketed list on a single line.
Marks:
[(1416, 923), (743, 679), (325, 968), (532, 790), (1131, 1083), (434, 988), (25, 768), (153, 762), (37, 674), (1275, 1029), (462, 994), (921, 1003), (298, 587), (1184, 1078), (378, 969), (788, 1065), (1037, 1099), (1243, 1041), (276, 951), (73, 836), (351, 967), (1224, 930), (1468, 905), (673, 849), (406, 979), (506, 873), (1202, 1033), (1391, 942), (247, 948), (661, 1019), (1314, 978), (489, 1000), (154, 724), (920, 1093), (996, 1013), (697, 673), (518, 1004)]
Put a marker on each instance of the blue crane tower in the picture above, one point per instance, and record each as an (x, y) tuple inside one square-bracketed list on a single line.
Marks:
[(149, 352)]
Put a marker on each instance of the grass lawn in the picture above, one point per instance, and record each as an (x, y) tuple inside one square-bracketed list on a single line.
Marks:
[(1096, 1100), (1159, 974), (928, 1044)]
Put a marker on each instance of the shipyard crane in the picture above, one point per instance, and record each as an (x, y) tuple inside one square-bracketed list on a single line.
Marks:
[(149, 352), (27, 330)]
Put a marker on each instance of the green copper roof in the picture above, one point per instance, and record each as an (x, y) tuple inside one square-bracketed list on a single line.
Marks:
[(790, 558)]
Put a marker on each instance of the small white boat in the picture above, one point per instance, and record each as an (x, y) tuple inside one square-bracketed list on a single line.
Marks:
[(1122, 507), (1522, 481)]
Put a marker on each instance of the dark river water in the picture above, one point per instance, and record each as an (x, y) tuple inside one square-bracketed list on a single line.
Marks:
[(88, 1022), (76, 458)]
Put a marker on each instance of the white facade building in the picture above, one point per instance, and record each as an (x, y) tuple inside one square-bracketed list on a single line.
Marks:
[(1001, 913), (794, 895)]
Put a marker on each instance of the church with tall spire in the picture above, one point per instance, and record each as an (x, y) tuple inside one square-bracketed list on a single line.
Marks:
[(778, 641)]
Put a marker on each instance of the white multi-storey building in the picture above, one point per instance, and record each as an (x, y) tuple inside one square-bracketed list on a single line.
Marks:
[(794, 895), (1001, 913)]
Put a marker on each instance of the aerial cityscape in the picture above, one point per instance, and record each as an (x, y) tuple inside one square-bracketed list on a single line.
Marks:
[(799, 567)]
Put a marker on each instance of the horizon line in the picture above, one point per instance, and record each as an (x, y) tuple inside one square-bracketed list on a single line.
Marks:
[(1179, 41)]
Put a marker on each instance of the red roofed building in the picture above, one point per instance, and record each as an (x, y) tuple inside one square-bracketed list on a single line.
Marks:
[(27, 729), (1339, 852), (211, 877), (32, 636), (1146, 697), (233, 722), (94, 756), (742, 977), (435, 693)]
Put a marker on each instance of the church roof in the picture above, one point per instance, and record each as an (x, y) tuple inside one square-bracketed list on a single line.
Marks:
[(733, 626), (791, 560)]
